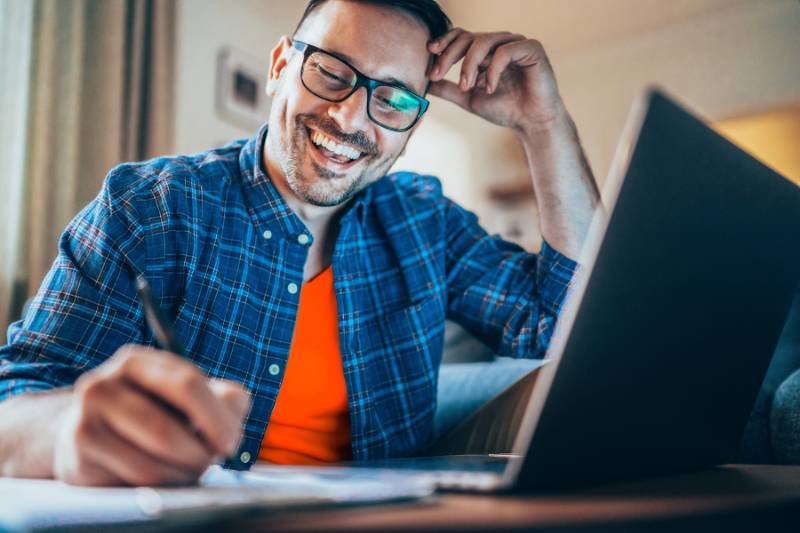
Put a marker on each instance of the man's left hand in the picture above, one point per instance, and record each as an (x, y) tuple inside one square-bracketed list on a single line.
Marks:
[(505, 78)]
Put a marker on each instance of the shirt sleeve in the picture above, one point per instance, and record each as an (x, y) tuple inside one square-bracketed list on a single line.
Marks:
[(86, 307), (506, 297)]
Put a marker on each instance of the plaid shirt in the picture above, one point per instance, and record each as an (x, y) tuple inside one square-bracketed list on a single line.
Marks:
[(224, 255)]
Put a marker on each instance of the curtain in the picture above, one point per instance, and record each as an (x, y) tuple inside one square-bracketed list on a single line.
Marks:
[(100, 93), (16, 24)]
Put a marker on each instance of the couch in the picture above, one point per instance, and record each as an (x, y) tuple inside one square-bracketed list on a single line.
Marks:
[(470, 376)]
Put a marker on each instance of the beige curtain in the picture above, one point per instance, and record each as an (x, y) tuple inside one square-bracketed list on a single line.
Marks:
[(101, 92)]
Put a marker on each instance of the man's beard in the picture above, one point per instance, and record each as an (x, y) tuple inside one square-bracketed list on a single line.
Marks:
[(326, 188)]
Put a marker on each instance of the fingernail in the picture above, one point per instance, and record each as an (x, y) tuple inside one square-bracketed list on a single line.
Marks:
[(434, 72), (463, 82)]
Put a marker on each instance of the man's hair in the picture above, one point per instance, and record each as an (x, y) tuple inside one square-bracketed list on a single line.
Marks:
[(428, 12)]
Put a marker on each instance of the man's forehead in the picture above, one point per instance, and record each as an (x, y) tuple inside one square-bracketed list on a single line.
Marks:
[(381, 42)]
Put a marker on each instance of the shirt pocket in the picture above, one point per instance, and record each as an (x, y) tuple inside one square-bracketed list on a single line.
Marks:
[(408, 361), (414, 335)]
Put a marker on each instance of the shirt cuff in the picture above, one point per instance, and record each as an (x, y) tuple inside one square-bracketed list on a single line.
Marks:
[(555, 275), (14, 387)]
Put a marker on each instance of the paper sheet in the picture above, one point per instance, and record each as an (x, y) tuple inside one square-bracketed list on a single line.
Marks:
[(29, 505)]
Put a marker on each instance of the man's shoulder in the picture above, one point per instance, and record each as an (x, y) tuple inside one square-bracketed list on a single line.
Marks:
[(200, 176), (415, 186)]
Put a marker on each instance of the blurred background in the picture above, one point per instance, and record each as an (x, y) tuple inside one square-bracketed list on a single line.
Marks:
[(87, 84)]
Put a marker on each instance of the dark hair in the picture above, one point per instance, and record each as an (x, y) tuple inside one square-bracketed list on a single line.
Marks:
[(428, 12)]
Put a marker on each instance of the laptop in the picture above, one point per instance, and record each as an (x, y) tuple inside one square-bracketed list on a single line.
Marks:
[(662, 347)]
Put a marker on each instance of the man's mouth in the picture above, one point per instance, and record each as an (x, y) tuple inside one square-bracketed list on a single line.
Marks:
[(342, 155)]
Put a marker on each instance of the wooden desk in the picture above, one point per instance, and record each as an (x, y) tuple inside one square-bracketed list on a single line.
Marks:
[(728, 498)]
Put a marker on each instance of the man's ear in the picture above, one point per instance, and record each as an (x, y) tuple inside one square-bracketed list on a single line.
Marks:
[(278, 59)]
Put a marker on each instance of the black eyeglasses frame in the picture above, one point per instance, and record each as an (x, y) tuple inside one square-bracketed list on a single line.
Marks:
[(361, 81)]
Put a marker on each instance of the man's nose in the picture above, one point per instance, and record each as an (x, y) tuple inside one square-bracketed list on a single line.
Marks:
[(351, 113)]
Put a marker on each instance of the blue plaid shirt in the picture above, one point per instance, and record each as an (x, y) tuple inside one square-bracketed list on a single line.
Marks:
[(225, 254)]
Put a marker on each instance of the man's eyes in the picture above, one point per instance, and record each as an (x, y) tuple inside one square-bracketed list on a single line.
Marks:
[(396, 102), (332, 76)]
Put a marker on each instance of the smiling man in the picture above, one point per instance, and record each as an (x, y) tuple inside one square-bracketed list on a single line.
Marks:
[(309, 287)]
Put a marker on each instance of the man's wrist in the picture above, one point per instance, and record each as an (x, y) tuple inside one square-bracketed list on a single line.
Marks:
[(28, 429), (566, 192), (557, 129)]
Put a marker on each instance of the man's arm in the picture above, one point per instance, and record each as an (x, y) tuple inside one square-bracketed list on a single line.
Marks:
[(506, 297), (507, 79), (29, 433), (77, 404), (143, 417)]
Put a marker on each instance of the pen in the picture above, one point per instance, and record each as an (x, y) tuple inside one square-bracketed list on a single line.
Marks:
[(159, 324), (163, 332)]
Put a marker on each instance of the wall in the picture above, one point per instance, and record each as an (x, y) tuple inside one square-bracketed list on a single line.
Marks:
[(774, 135), (204, 28)]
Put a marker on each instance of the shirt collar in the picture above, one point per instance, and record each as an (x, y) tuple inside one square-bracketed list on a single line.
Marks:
[(266, 206)]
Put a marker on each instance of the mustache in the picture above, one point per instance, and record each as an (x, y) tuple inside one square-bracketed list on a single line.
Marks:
[(327, 126)]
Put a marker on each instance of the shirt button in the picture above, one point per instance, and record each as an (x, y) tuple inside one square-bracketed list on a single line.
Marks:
[(292, 288), (245, 457), (303, 238), (267, 234), (274, 370)]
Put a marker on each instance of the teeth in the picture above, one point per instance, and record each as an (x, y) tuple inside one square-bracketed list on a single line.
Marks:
[(347, 151)]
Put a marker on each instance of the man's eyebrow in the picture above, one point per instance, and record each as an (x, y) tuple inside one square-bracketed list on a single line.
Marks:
[(395, 81), (390, 80)]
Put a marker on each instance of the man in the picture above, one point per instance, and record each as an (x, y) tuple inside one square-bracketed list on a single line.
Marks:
[(345, 367)]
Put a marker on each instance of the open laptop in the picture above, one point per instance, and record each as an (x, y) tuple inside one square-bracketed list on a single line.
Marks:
[(661, 350)]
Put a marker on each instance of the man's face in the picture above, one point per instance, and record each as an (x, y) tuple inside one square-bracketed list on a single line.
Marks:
[(381, 43)]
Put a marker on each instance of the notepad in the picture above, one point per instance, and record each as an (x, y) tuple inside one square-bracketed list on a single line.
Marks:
[(30, 504)]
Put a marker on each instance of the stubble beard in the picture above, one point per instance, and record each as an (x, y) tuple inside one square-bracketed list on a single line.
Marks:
[(325, 188)]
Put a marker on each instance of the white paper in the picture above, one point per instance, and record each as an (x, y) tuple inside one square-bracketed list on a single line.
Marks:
[(29, 505)]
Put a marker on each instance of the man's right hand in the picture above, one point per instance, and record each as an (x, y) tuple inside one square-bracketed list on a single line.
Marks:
[(147, 417)]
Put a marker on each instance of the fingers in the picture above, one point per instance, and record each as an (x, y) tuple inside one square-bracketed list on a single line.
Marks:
[(478, 54), (147, 417), (450, 91), (439, 45), (146, 425), (472, 47), (486, 56), (124, 462), (184, 387), (455, 48), (233, 395), (524, 53)]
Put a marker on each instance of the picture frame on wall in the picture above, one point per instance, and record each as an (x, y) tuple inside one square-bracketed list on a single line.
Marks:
[(241, 80)]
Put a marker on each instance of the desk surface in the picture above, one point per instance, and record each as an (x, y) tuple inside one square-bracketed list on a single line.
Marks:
[(730, 498)]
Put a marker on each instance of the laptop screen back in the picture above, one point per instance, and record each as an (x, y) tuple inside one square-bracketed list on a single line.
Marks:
[(659, 359)]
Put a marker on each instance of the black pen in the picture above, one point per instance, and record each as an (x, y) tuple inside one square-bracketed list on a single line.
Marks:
[(162, 329), (157, 320), (163, 332)]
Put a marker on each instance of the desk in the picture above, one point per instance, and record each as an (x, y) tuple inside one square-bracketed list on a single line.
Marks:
[(727, 498)]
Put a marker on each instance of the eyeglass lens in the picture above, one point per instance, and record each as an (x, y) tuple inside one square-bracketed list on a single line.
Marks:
[(331, 79)]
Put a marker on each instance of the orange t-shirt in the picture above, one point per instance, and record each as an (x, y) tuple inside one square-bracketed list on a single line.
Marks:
[(310, 423)]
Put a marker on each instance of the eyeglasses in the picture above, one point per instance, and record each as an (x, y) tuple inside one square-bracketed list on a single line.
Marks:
[(333, 79)]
